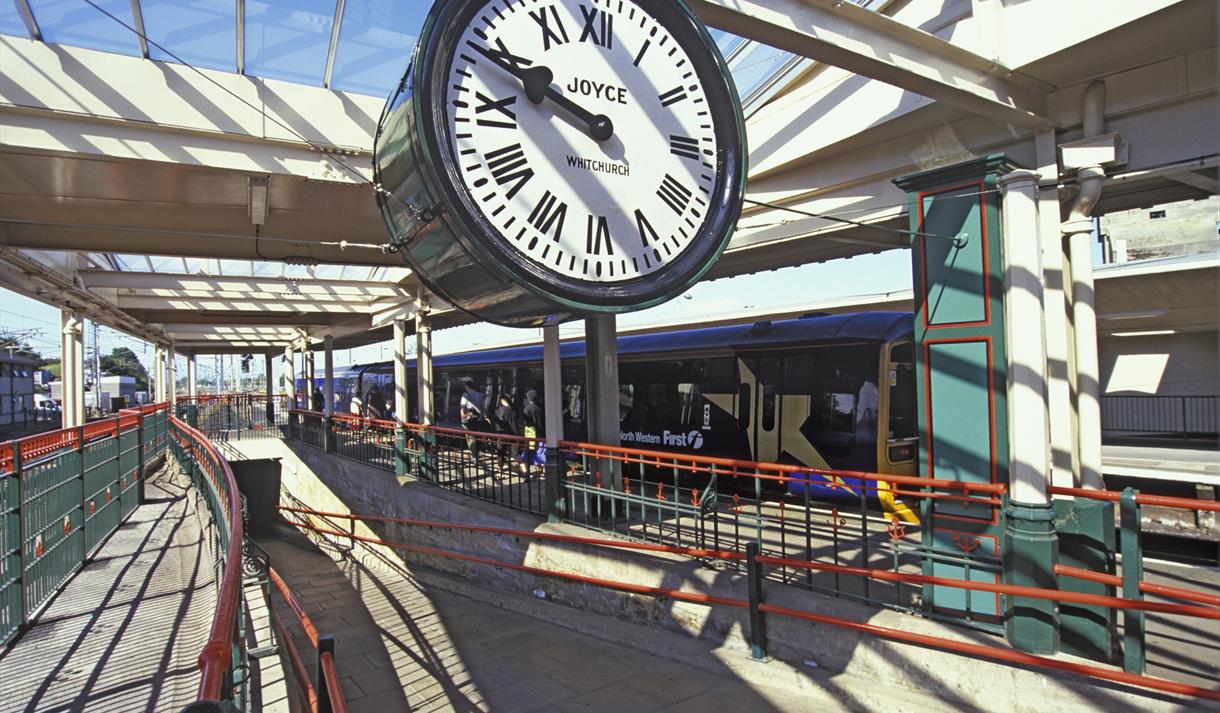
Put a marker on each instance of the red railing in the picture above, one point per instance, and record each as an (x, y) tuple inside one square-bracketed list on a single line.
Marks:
[(326, 660), (216, 656), (1115, 496), (980, 650)]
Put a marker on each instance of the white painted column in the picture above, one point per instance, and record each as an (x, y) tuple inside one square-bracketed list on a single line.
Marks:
[(1064, 461), (171, 371), (1084, 321), (1025, 340), (328, 347), (71, 369), (158, 362), (400, 370), (288, 376), (192, 384), (423, 364), (307, 357)]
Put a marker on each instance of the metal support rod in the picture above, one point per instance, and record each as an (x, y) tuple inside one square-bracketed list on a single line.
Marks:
[(758, 633), (1134, 660), (552, 395), (326, 645)]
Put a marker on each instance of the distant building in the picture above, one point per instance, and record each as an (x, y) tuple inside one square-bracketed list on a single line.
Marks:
[(16, 389), (1166, 230), (117, 392)]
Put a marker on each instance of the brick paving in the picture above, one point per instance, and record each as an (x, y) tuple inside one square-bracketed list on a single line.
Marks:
[(125, 632), (404, 644)]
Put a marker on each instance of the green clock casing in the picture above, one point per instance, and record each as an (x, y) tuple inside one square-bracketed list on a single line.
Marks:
[(543, 160)]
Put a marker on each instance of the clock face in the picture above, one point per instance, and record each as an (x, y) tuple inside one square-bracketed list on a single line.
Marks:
[(582, 136)]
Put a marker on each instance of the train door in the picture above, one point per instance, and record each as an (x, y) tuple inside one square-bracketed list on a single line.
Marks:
[(758, 405)]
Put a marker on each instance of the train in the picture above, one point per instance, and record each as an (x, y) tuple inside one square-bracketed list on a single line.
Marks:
[(826, 391)]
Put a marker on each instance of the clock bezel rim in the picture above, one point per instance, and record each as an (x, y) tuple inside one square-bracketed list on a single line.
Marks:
[(493, 250)]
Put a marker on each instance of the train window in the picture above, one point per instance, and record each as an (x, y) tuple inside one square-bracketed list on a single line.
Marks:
[(626, 400), (744, 402), (573, 405), (720, 376), (690, 399), (798, 374), (903, 423), (768, 407), (843, 413)]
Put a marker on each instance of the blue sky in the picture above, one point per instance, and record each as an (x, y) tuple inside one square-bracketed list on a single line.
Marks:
[(868, 274)]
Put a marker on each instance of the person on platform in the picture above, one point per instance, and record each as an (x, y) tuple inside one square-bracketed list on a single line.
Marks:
[(473, 414), (319, 401), (356, 405), (533, 427), (506, 423), (374, 402)]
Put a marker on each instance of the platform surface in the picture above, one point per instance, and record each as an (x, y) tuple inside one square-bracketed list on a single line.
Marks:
[(125, 632)]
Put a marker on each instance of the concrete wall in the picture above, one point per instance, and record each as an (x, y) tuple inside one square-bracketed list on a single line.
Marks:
[(1161, 365), (332, 484), (1181, 228)]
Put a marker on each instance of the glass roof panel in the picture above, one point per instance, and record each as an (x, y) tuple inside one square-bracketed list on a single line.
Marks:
[(726, 41), (240, 268), (375, 44), (755, 66), (267, 269), (71, 22), (10, 21), (288, 39), (202, 32)]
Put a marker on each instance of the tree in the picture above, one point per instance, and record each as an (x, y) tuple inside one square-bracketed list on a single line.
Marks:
[(121, 361)]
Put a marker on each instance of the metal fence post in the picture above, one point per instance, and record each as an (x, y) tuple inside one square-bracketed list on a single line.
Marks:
[(140, 460), (326, 645), (84, 495), (21, 564), (758, 632), (400, 450), (1134, 660), (328, 434)]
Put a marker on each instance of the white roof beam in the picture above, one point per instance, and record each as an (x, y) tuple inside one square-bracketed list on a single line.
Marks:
[(268, 306), (873, 45), (230, 283)]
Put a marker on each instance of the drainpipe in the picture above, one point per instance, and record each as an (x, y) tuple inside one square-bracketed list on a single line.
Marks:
[(1078, 232)]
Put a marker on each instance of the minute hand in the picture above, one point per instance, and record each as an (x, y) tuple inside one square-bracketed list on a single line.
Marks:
[(537, 82)]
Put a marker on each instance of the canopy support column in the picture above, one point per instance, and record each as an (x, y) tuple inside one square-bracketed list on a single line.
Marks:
[(72, 369)]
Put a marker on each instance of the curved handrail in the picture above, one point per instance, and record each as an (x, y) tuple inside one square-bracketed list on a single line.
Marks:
[(216, 655)]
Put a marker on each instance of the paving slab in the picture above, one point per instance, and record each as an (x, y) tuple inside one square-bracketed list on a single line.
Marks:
[(125, 632), (431, 649)]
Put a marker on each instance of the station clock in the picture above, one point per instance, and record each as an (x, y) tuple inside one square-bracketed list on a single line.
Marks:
[(548, 159)]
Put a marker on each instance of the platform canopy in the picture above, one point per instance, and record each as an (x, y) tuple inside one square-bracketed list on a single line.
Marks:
[(233, 140)]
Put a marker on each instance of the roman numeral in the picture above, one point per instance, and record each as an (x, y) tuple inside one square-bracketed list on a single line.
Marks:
[(645, 228), (605, 37), (673, 96), (502, 53), (500, 106), (675, 195), (549, 35), (684, 147), (508, 165), (549, 211), (593, 241)]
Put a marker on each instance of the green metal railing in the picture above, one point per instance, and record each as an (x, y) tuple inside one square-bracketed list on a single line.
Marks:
[(236, 417), (224, 662), (678, 500), (61, 495)]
